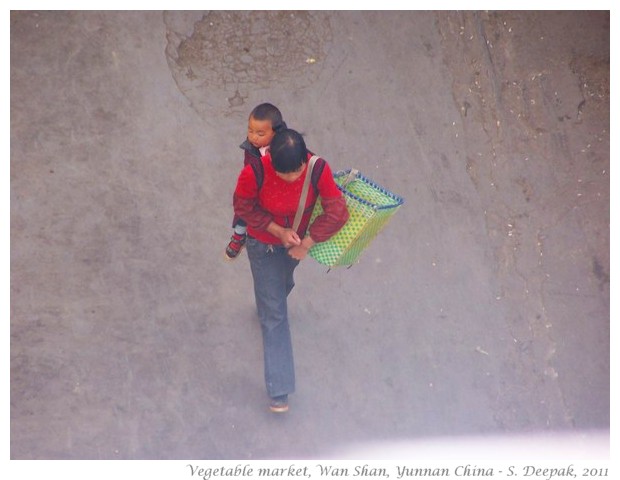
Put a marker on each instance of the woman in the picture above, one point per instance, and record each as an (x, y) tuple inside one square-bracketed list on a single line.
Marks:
[(275, 249)]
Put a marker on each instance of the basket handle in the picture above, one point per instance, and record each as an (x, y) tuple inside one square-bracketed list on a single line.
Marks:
[(350, 177)]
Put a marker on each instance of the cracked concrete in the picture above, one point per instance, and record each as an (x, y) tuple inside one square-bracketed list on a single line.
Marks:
[(220, 57), (482, 309)]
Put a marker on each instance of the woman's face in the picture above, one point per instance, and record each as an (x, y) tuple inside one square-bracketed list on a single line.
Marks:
[(260, 132)]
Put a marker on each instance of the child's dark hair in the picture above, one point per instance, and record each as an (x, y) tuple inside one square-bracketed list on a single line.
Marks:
[(288, 151), (267, 111)]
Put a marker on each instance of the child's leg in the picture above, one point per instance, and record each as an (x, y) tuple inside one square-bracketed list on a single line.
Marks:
[(240, 229), (237, 241)]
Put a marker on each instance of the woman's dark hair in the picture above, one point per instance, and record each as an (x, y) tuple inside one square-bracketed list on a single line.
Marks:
[(288, 151), (267, 111)]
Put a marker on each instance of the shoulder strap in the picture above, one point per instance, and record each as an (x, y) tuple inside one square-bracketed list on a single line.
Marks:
[(304, 193)]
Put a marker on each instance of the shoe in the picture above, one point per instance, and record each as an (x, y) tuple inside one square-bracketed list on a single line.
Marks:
[(235, 245), (279, 404)]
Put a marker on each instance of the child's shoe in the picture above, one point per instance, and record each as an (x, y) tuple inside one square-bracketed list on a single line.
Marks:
[(235, 245)]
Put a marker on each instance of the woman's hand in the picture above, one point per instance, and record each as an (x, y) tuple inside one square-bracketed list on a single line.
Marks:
[(300, 251), (287, 236)]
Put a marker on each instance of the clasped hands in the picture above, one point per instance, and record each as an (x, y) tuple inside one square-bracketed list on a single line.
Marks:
[(297, 248)]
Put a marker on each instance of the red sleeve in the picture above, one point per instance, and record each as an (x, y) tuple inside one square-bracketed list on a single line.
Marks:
[(245, 200), (335, 213)]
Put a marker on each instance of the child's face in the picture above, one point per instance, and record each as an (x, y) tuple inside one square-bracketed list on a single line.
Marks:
[(260, 132)]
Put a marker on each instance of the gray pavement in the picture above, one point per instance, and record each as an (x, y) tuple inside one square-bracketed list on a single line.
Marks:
[(481, 310)]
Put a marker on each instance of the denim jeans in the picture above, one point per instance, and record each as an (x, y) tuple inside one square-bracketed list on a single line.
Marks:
[(272, 271)]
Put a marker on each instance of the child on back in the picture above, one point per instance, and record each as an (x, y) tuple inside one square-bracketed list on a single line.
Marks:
[(264, 121)]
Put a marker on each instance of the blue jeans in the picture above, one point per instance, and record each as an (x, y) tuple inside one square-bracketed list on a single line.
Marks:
[(272, 271)]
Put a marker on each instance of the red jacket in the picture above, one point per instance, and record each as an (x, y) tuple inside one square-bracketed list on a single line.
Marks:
[(277, 201)]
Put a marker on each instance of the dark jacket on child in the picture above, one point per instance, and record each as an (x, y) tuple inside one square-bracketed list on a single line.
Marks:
[(251, 156)]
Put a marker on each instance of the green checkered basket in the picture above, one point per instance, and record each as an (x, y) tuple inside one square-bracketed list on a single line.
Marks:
[(370, 208)]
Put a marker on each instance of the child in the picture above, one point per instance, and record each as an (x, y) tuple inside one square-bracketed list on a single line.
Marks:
[(265, 120)]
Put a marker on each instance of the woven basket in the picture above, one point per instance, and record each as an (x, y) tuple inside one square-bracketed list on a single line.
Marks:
[(370, 208)]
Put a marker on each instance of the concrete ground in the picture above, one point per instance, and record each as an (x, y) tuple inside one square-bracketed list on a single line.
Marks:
[(481, 310)]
